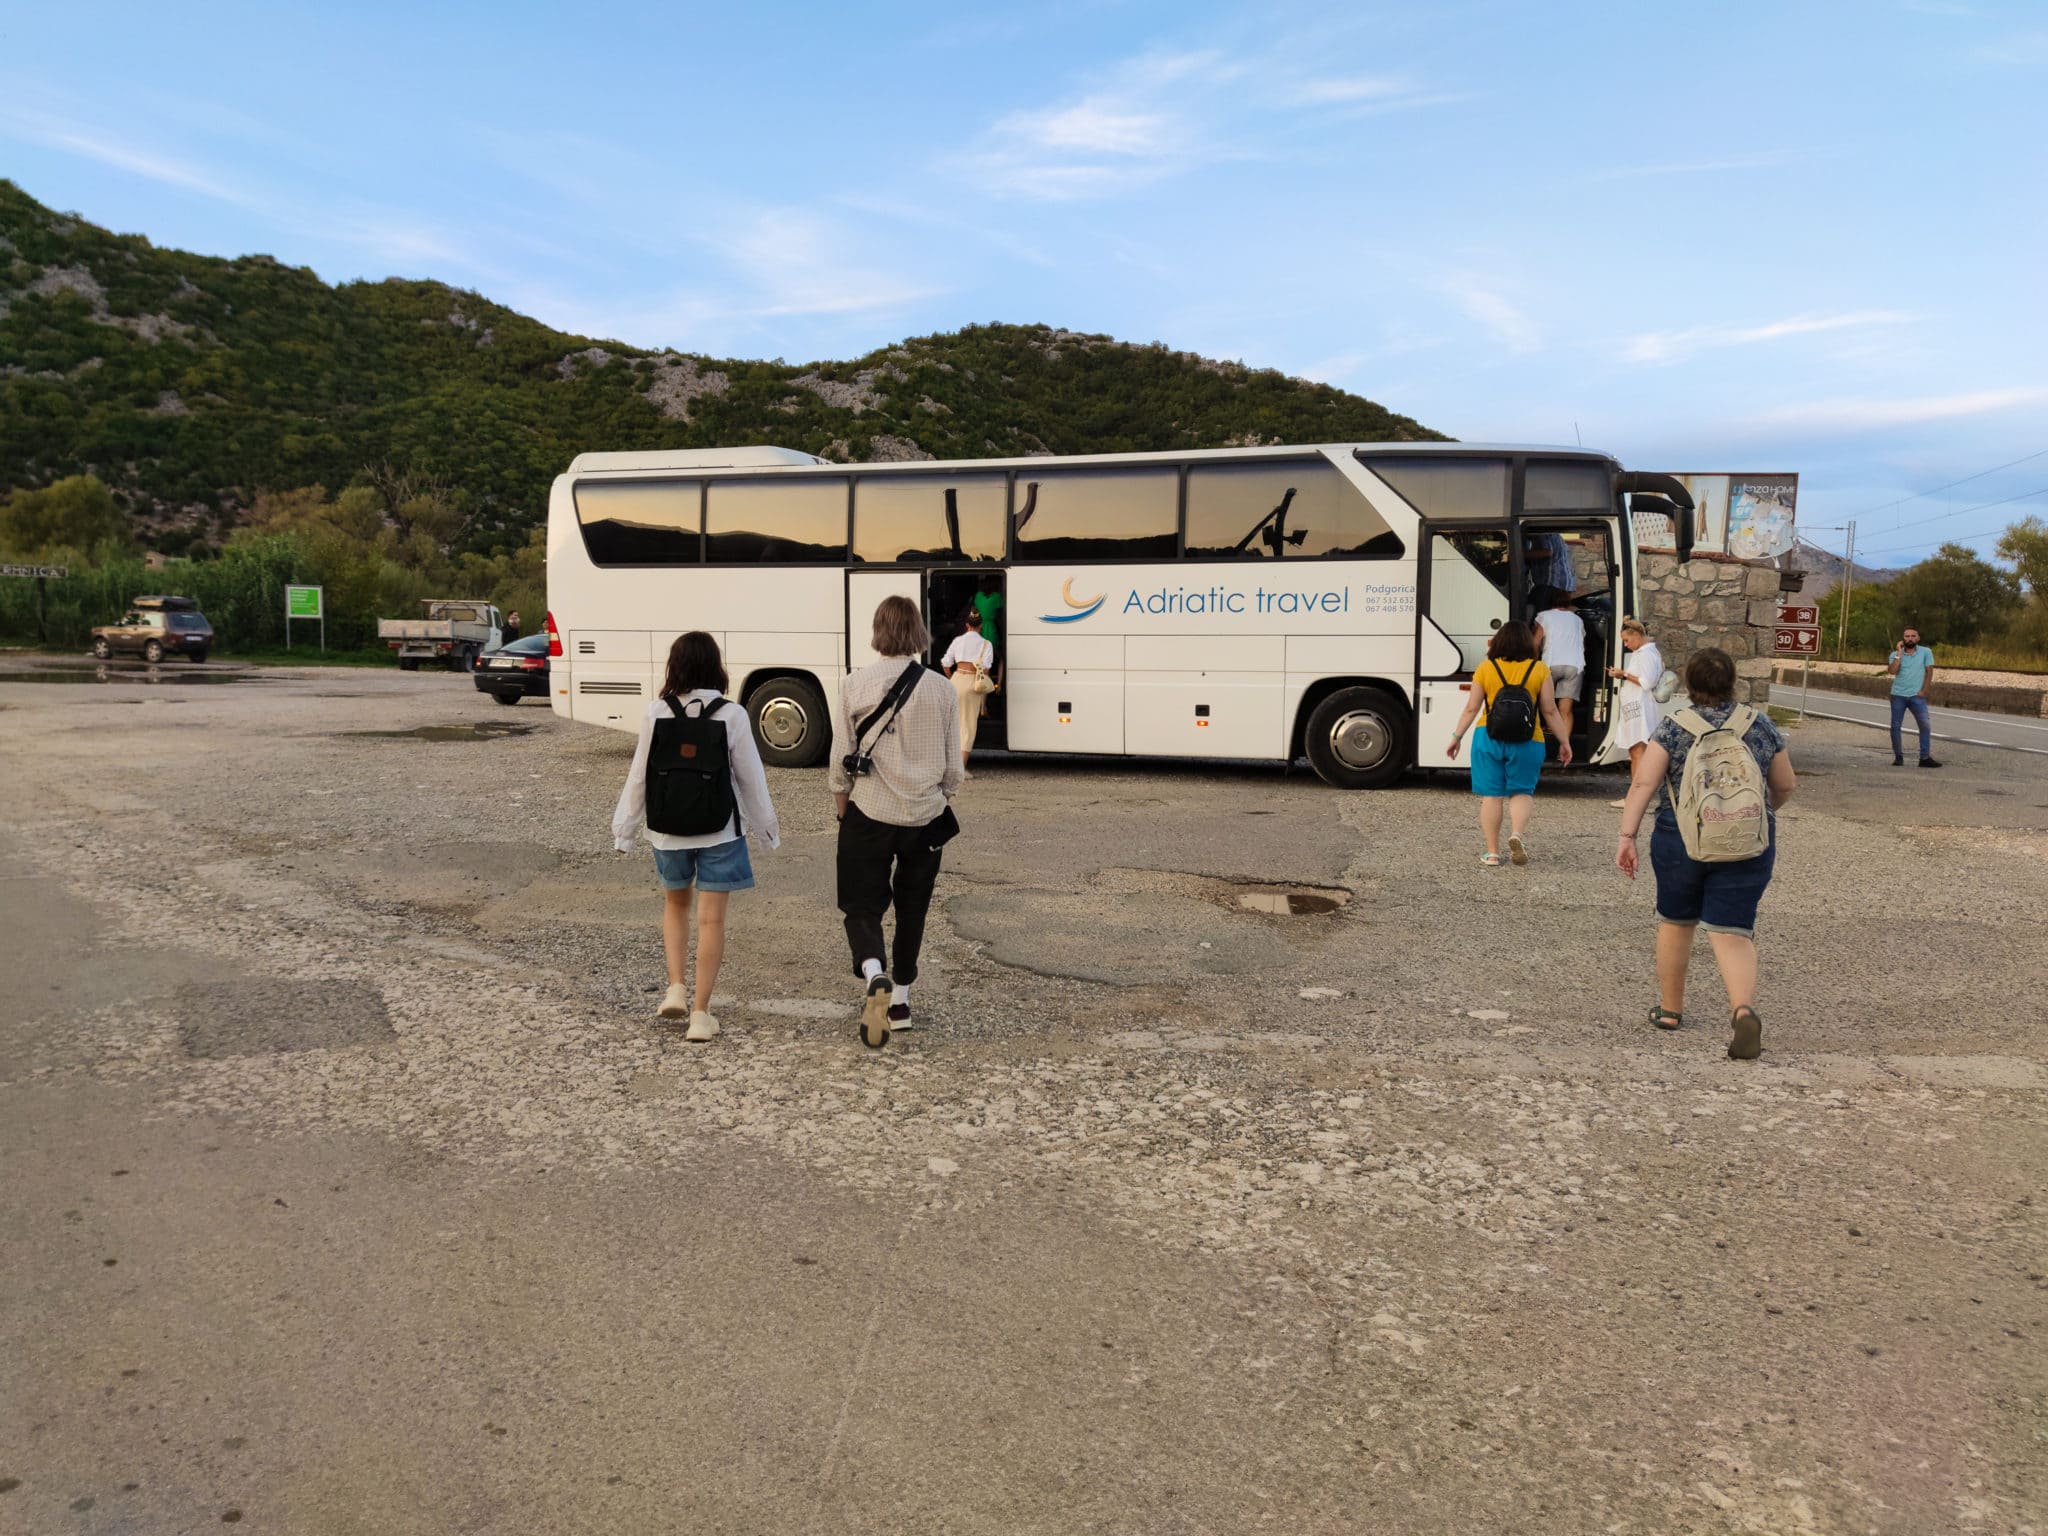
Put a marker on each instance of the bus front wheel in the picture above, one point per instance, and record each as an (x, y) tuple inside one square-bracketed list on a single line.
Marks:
[(1357, 738), (790, 722)]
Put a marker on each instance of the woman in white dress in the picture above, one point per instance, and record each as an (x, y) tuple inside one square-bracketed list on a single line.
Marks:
[(1640, 713), (968, 660)]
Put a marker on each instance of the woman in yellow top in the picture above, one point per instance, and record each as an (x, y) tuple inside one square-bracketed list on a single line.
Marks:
[(1504, 770)]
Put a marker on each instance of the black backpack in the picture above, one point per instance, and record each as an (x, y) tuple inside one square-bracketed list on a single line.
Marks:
[(1511, 717), (689, 772)]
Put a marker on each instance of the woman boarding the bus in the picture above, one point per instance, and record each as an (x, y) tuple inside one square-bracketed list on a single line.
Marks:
[(970, 658), (707, 796), (1513, 686)]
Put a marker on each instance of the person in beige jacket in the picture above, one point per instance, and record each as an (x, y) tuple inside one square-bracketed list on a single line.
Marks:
[(895, 768)]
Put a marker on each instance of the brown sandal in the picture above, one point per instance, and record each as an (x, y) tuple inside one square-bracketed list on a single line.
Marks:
[(1664, 1018), (1747, 1041)]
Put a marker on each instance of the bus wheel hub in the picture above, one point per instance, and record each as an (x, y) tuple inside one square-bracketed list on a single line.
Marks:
[(784, 723), (1360, 739)]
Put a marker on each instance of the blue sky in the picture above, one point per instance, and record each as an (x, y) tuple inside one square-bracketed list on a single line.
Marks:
[(1741, 236)]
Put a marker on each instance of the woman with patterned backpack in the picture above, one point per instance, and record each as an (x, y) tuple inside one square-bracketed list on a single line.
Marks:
[(1725, 771), (1513, 687), (697, 787)]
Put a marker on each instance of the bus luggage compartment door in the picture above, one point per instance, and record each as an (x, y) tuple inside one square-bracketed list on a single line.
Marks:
[(1066, 693)]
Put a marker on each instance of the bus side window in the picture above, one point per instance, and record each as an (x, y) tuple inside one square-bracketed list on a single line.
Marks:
[(928, 519), (797, 519), (1292, 508), (1097, 514), (641, 522)]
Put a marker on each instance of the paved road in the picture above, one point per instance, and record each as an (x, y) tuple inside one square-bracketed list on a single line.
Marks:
[(2013, 732)]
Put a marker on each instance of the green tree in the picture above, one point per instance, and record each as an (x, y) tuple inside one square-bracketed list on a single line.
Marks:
[(75, 513), (2025, 544), (1955, 596)]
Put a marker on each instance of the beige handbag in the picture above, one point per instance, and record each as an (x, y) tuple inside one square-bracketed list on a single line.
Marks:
[(984, 683)]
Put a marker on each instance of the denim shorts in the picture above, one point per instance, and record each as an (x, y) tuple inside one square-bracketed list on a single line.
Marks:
[(721, 867), (1502, 768), (1721, 898)]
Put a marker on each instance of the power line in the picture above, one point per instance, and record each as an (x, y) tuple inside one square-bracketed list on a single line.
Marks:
[(1919, 495), (1962, 537)]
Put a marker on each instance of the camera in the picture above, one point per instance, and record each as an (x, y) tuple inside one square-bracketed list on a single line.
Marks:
[(858, 764)]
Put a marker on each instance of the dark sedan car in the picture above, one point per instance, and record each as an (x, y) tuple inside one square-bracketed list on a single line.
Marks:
[(516, 671)]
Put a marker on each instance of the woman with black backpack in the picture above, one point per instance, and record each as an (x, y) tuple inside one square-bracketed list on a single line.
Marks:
[(697, 786), (1513, 687)]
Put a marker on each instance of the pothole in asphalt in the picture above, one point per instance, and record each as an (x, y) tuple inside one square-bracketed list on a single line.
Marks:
[(476, 730), (1294, 900), (263, 1015)]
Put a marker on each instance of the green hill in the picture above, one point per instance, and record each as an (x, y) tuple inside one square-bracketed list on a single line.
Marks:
[(190, 385)]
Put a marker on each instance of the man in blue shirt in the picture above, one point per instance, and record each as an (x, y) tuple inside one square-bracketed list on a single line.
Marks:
[(1912, 669)]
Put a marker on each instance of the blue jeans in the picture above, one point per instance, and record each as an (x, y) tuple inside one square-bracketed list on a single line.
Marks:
[(1901, 702)]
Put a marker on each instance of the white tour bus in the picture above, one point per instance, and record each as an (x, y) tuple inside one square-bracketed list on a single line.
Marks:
[(1266, 603)]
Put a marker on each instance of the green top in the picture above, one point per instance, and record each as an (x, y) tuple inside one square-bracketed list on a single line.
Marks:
[(986, 604)]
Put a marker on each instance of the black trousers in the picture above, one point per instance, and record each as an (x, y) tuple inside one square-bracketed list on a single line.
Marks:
[(880, 863)]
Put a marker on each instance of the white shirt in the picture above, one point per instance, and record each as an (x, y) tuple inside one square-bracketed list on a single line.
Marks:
[(972, 648), (749, 783), (1564, 638)]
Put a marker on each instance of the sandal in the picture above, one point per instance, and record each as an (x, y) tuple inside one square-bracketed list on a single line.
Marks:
[(1518, 854), (1665, 1018), (1747, 1041), (1492, 860)]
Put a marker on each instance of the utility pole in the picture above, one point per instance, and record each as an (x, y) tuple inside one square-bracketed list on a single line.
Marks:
[(1848, 580)]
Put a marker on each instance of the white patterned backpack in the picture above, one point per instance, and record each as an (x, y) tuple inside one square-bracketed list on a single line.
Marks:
[(1723, 815)]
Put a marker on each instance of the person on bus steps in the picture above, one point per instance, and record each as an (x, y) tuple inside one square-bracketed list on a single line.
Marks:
[(1507, 754), (714, 864), (970, 658), (895, 766)]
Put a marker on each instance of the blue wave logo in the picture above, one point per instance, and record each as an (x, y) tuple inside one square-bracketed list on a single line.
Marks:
[(1085, 605)]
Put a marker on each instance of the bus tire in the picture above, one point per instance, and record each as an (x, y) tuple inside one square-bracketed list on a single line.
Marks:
[(791, 724), (1357, 738)]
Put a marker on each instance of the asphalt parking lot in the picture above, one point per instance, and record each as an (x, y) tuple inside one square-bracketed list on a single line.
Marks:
[(353, 1187)]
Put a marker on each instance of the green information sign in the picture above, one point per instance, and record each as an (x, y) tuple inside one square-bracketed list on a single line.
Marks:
[(302, 603)]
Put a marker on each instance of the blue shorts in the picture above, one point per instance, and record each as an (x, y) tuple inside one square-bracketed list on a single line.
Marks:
[(1721, 898), (721, 867), (1502, 768)]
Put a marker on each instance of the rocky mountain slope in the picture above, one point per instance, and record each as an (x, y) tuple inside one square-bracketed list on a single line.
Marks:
[(190, 384)]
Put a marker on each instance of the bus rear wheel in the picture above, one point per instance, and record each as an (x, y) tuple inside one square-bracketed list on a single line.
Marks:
[(790, 722), (1357, 738)]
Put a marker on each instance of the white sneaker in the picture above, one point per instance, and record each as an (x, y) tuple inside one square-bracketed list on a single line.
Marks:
[(676, 1003), (702, 1026)]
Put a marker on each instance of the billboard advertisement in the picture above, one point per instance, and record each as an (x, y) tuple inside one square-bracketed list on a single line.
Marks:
[(1749, 516)]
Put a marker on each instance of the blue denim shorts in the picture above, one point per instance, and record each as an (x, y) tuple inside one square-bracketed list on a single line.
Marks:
[(1502, 768), (721, 867), (1721, 898)]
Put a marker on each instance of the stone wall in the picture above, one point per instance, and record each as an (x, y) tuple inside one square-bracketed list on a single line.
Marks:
[(1712, 600)]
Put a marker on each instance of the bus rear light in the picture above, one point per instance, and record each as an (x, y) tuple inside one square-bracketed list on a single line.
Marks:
[(554, 636)]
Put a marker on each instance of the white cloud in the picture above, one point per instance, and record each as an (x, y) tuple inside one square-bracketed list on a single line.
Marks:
[(1097, 127), (796, 263), (1347, 91), (1508, 325), (1670, 346), (1876, 415), (55, 133), (1762, 160), (1162, 113)]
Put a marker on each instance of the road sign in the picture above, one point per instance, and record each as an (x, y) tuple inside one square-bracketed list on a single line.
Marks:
[(1803, 615), (304, 603), (40, 572), (1797, 640)]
